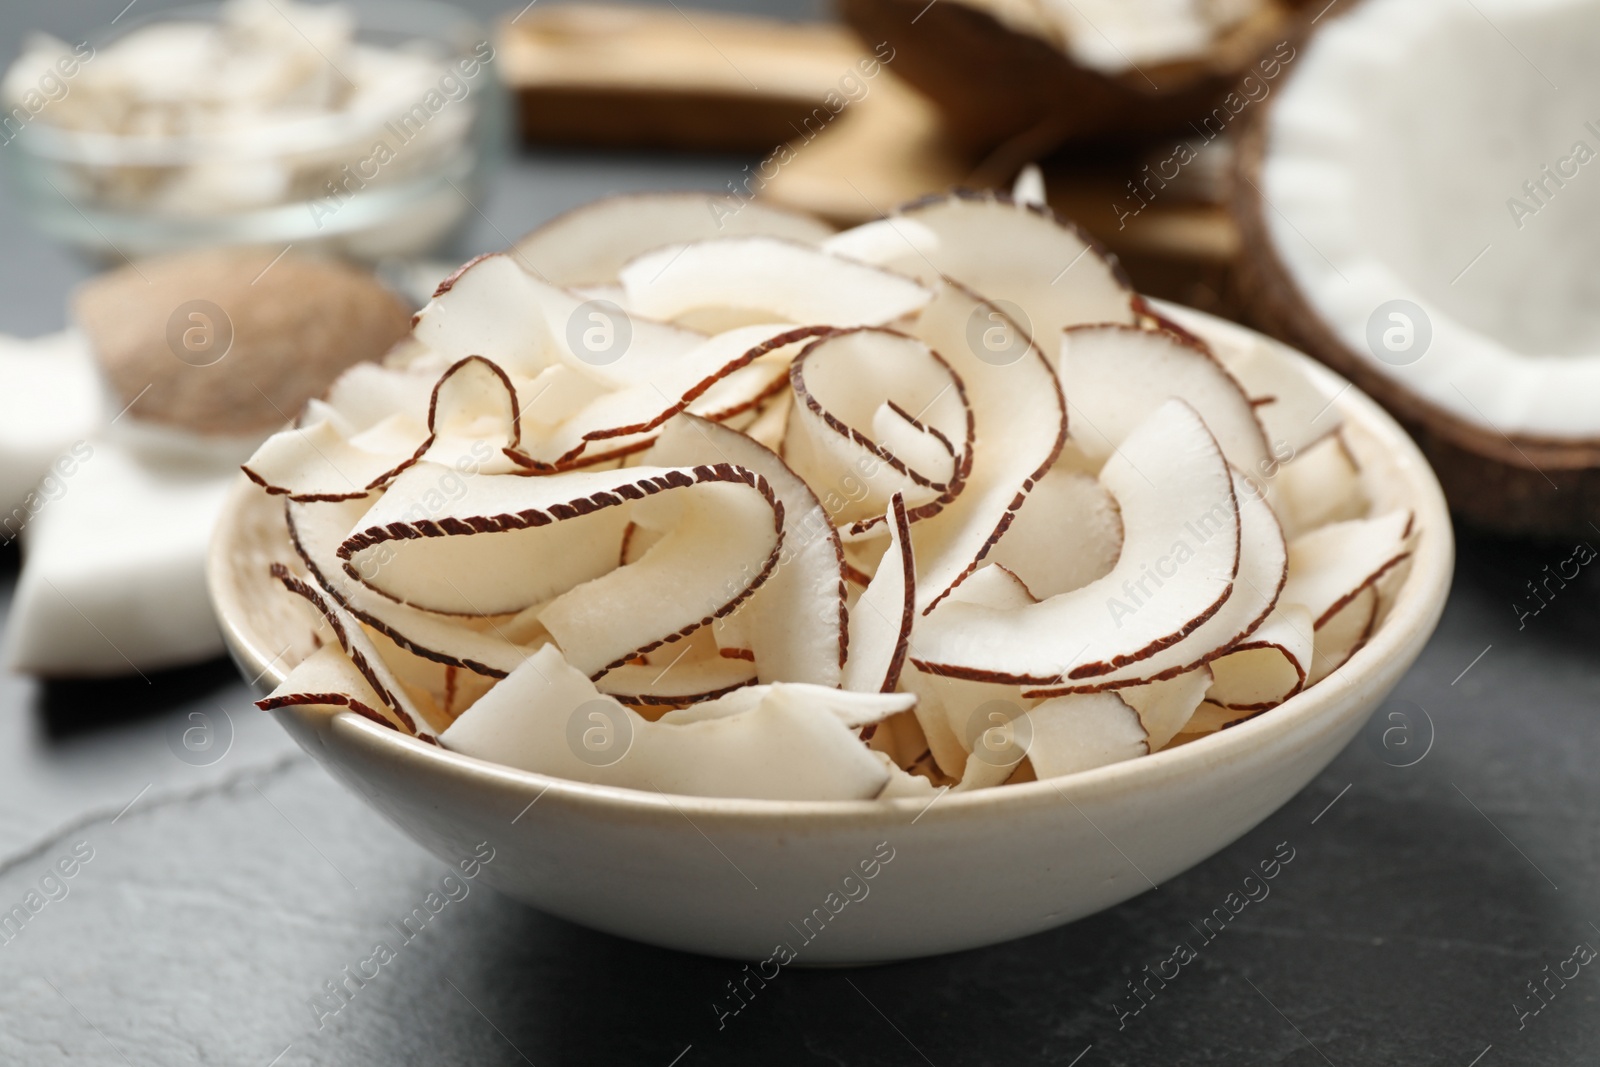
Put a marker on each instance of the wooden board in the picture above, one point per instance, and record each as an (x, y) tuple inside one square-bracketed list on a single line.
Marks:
[(680, 78), (641, 77), (891, 147)]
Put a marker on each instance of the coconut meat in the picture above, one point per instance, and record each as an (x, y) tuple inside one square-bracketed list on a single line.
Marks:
[(1416, 153)]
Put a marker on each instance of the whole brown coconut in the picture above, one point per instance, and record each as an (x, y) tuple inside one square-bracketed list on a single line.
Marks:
[(1001, 76), (1510, 483), (233, 341)]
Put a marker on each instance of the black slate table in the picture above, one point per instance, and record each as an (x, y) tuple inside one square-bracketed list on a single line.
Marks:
[(1439, 880)]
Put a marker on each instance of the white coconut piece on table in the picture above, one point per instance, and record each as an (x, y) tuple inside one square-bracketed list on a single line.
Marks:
[(1020, 423), (318, 529), (881, 621), (1513, 348), (1097, 365), (1270, 666), (50, 402), (544, 717), (758, 275), (1118, 36), (1180, 556), (113, 575), (1022, 256), (589, 245), (1320, 485), (1164, 707), (795, 625), (1067, 535), (859, 396)]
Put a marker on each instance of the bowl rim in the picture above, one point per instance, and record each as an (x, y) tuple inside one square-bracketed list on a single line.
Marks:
[(1410, 622)]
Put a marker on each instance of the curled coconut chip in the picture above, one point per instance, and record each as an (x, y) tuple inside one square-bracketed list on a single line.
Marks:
[(936, 502)]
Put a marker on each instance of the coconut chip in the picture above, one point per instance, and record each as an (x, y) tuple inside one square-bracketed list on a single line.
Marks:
[(821, 528)]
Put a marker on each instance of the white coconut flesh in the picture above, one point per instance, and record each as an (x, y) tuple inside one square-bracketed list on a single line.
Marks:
[(1019, 255), (1165, 707), (1180, 556), (795, 625), (1019, 427), (755, 275), (317, 529), (1334, 572), (835, 527), (882, 619), (1269, 666), (1256, 590), (1484, 216), (877, 414), (91, 604), (1118, 36), (589, 245), (1058, 737), (382, 683), (1068, 535), (1097, 362), (785, 745), (51, 400)]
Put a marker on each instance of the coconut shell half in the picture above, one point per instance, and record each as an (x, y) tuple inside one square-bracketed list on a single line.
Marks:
[(1515, 483), (1000, 74)]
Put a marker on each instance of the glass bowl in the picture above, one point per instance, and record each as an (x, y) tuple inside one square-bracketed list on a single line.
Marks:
[(392, 173)]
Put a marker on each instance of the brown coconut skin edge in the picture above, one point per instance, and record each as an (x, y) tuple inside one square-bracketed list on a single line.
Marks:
[(999, 80), (1509, 484)]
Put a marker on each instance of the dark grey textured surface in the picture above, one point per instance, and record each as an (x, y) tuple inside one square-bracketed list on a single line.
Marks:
[(1419, 903)]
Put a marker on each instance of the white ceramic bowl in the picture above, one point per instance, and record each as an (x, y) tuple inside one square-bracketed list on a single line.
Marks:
[(738, 878)]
